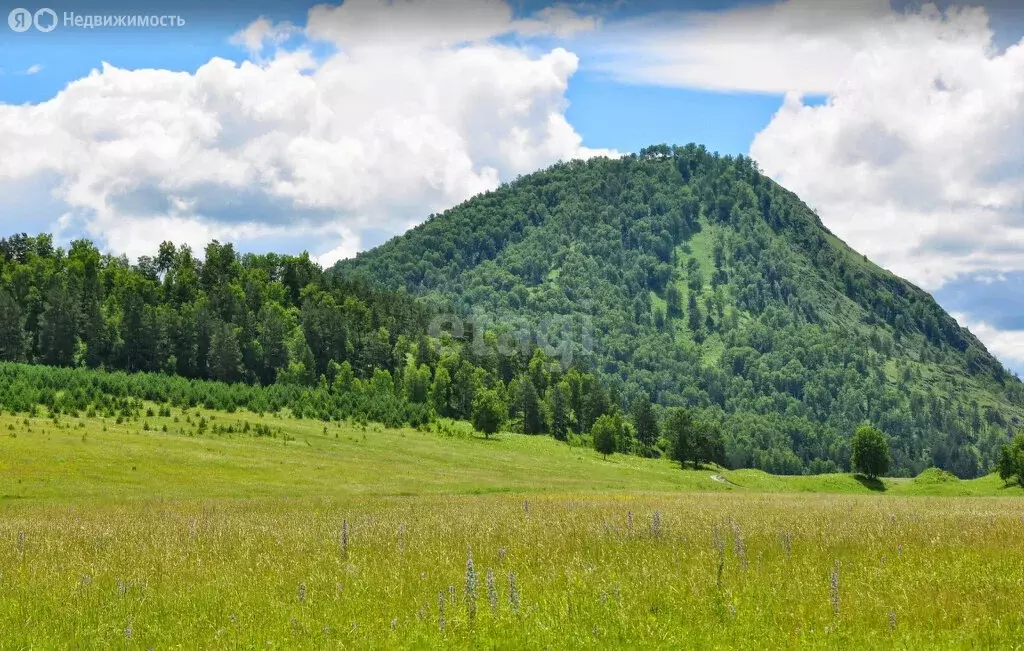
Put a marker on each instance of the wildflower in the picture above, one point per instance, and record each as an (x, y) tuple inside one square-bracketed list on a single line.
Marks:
[(739, 546), (440, 610), (629, 519), (719, 544), (892, 620), (128, 631), (513, 592), (502, 552), (787, 543), (835, 589), (492, 590), (526, 507), (21, 541), (302, 593), (343, 541), (656, 524), (470, 587)]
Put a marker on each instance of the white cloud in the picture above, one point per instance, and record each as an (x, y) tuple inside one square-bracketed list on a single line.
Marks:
[(1007, 345), (557, 20), (793, 45), (33, 69), (915, 159), (262, 32), (371, 136), (411, 24)]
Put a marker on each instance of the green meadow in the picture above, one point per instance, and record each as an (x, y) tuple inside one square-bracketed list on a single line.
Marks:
[(241, 531)]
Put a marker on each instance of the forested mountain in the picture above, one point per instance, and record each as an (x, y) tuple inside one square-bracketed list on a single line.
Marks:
[(703, 283), (589, 290)]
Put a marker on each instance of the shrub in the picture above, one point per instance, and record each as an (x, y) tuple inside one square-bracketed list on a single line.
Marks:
[(1011, 461), (605, 432)]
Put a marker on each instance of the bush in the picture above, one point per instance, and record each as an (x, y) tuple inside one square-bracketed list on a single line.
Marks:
[(605, 432), (1011, 461)]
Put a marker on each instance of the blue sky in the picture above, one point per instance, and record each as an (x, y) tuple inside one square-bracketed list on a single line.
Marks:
[(859, 137)]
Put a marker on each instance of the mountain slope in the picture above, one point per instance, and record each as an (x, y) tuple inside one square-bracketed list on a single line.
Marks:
[(693, 279)]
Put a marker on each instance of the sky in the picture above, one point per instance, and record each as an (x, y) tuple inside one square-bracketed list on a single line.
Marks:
[(289, 126)]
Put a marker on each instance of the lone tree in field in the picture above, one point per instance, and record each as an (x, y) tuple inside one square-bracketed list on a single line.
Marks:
[(1011, 461), (489, 412), (870, 452), (605, 432)]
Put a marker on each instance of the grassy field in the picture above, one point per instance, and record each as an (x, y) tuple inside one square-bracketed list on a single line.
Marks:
[(115, 536)]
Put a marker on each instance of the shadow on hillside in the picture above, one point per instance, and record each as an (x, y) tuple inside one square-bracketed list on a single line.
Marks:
[(872, 484)]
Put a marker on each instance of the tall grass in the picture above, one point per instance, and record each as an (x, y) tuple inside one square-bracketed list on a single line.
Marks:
[(847, 572)]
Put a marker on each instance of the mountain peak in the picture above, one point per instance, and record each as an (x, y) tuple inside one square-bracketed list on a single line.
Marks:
[(702, 282)]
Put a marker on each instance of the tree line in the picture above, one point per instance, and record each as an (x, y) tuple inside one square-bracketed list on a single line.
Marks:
[(265, 333)]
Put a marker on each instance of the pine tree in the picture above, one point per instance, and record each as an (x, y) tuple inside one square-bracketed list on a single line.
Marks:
[(674, 298), (533, 418), (646, 422), (12, 329), (558, 397), (225, 353), (57, 332)]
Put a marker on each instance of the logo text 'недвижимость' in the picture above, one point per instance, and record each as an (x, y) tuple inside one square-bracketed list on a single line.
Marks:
[(46, 20)]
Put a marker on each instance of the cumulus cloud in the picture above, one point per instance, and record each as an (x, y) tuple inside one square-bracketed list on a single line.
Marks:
[(915, 159), (369, 136)]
